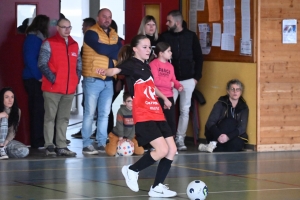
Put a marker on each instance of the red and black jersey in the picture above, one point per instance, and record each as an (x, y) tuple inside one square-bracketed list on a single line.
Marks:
[(142, 89)]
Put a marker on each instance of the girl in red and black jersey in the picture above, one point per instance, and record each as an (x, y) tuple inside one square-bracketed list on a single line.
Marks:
[(150, 123)]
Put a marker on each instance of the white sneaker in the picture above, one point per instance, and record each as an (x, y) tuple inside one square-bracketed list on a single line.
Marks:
[(131, 178), (3, 154), (161, 191), (202, 147)]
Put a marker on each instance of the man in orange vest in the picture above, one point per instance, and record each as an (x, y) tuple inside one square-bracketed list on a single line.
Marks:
[(60, 64), (100, 50)]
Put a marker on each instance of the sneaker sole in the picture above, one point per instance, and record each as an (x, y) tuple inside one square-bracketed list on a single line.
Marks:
[(181, 148), (90, 153), (124, 172), (51, 154), (157, 194), (3, 157), (72, 155)]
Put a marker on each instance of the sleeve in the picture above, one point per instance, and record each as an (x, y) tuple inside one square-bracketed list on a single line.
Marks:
[(11, 132), (31, 50), (79, 66), (126, 69), (91, 38), (213, 119), (154, 65), (174, 80), (119, 124), (43, 60), (198, 57)]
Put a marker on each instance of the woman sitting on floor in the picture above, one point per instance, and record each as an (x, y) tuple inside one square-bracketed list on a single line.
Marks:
[(9, 121), (225, 129)]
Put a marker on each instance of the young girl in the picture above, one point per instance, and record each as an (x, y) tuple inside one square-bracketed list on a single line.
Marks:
[(165, 80), (150, 123), (9, 121)]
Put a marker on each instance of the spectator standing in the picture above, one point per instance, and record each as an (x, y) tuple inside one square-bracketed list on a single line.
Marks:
[(100, 50), (60, 64), (187, 60), (36, 33)]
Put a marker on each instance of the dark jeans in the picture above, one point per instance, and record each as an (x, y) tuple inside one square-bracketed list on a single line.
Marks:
[(36, 112)]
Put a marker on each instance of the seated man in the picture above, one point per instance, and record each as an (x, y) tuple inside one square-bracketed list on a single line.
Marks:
[(225, 129)]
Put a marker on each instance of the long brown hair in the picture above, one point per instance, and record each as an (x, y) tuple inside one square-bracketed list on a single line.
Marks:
[(39, 23)]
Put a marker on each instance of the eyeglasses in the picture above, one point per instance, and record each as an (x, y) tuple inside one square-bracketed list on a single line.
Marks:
[(235, 89), (65, 27)]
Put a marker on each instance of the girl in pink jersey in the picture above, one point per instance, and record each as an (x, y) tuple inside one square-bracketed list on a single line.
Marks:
[(165, 80)]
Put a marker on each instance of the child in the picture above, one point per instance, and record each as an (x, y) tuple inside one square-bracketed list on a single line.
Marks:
[(165, 80), (149, 119), (124, 129)]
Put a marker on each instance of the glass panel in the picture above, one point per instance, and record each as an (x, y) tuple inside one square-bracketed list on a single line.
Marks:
[(25, 15)]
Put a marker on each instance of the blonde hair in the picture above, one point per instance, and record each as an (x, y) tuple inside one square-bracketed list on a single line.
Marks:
[(144, 21)]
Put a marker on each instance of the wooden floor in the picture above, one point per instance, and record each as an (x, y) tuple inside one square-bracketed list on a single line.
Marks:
[(229, 176)]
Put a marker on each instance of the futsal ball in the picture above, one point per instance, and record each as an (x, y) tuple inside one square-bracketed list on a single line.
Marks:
[(125, 149), (197, 190)]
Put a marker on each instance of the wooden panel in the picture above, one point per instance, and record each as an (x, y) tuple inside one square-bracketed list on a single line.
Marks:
[(216, 54), (279, 78), (154, 10)]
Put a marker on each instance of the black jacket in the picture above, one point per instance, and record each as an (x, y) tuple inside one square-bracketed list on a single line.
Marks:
[(220, 112), (187, 56)]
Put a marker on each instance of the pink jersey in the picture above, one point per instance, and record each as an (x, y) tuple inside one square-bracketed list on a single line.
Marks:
[(163, 74)]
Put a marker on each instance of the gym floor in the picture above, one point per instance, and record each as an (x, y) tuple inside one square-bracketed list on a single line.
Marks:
[(242, 176)]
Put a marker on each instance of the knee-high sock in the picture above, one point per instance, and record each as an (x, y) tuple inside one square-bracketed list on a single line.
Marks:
[(143, 163), (162, 171)]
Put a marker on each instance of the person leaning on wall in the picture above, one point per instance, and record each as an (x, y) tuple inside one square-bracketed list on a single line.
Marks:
[(225, 129)]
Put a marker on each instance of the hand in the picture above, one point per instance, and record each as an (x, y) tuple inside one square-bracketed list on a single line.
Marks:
[(3, 115), (167, 104), (195, 81), (180, 88), (172, 84), (223, 138), (101, 71)]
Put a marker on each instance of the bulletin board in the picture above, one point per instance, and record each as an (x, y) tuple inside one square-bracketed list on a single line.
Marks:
[(216, 54)]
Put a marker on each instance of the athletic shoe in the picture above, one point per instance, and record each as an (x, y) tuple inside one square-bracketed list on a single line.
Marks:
[(3, 154), (89, 150), (207, 147), (161, 191), (68, 141), (77, 135), (101, 149), (131, 178), (65, 152), (180, 144), (50, 151)]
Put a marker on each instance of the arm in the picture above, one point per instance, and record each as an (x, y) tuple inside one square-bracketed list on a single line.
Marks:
[(120, 125), (214, 118), (177, 84), (91, 38), (43, 60), (108, 72), (198, 58), (31, 50), (79, 66), (167, 103)]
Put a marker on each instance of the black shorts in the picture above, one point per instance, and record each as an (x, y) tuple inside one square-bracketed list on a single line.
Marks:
[(150, 130)]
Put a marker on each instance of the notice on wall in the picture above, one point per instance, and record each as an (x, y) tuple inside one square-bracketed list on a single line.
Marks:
[(227, 42), (216, 37), (246, 47), (213, 10), (204, 38), (193, 20), (289, 31)]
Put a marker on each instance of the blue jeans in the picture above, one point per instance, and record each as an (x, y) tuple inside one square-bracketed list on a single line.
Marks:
[(97, 93)]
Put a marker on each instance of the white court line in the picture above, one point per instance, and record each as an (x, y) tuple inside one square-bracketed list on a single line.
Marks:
[(262, 190)]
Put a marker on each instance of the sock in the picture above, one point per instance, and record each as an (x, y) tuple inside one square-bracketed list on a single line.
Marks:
[(162, 171), (143, 163)]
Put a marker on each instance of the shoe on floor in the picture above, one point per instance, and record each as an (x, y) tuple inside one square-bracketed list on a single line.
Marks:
[(3, 154), (77, 135), (207, 147), (180, 144), (50, 151), (65, 152), (131, 178), (89, 150), (161, 191), (101, 149)]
